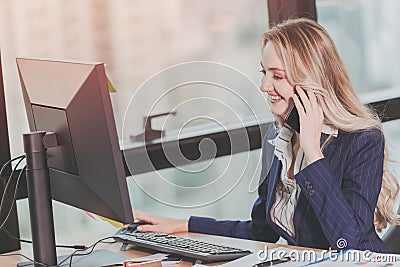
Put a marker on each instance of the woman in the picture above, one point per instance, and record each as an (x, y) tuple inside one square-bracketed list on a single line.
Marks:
[(327, 187)]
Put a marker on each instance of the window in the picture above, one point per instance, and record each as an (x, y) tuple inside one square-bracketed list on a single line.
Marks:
[(137, 39)]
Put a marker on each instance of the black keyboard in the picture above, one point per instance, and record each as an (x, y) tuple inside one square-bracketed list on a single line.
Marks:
[(184, 247)]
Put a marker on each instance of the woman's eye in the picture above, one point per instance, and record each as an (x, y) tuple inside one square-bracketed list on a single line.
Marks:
[(276, 77), (263, 72)]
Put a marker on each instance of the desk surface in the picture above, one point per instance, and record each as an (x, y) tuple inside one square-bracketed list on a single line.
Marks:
[(132, 252)]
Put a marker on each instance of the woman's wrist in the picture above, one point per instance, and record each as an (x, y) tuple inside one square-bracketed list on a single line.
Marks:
[(314, 156), (183, 225)]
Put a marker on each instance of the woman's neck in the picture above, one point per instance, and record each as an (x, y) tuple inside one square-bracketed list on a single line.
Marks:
[(280, 121)]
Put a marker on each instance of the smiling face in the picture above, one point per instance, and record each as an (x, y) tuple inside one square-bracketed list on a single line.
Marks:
[(274, 83)]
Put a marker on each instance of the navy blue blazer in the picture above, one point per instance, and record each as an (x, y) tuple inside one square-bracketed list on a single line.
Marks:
[(336, 205)]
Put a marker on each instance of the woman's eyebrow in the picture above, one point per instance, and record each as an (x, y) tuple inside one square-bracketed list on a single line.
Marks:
[(275, 68), (272, 68)]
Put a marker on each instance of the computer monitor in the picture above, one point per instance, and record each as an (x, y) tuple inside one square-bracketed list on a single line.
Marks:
[(72, 100), (6, 243)]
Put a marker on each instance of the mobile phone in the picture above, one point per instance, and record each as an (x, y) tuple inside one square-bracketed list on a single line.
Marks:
[(292, 118)]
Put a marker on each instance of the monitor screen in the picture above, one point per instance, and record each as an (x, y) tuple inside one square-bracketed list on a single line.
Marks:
[(72, 100)]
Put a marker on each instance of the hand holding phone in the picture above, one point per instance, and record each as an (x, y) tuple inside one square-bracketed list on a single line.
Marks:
[(312, 116)]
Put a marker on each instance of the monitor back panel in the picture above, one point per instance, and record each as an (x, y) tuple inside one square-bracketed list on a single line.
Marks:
[(72, 100)]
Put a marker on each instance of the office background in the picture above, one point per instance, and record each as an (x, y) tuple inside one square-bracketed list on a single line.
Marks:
[(139, 38)]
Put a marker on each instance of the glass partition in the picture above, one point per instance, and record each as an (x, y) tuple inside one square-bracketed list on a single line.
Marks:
[(143, 42)]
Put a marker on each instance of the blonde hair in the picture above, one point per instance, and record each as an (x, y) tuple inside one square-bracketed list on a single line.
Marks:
[(311, 60)]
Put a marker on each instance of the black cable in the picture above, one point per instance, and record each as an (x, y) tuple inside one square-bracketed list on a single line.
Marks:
[(12, 203), (88, 253), (13, 200), (9, 178), (8, 183), (78, 248), (14, 237), (16, 188), (30, 242), (67, 258), (8, 162), (81, 250)]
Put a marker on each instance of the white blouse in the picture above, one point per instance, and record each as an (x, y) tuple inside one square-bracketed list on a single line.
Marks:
[(287, 190)]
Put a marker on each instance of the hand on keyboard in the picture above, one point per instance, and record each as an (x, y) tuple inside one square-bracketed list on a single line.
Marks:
[(159, 224)]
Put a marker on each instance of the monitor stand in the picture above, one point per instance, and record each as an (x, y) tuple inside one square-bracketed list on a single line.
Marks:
[(39, 197), (41, 210)]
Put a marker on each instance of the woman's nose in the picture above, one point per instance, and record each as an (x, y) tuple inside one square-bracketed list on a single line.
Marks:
[(266, 85)]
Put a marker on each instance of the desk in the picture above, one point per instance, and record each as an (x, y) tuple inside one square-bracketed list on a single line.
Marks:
[(131, 252)]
